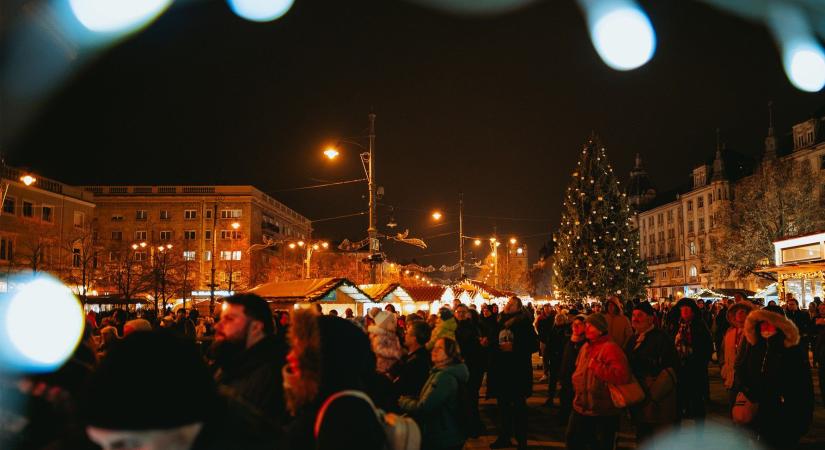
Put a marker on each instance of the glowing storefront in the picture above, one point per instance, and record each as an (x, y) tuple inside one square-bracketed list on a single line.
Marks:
[(800, 267)]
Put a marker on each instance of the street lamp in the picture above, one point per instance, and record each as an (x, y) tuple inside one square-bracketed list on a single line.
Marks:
[(368, 162), (28, 180), (437, 215)]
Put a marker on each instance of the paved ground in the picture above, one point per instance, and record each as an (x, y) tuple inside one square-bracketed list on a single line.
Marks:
[(544, 432)]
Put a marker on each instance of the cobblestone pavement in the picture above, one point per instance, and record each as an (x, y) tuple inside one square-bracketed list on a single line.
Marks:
[(544, 432)]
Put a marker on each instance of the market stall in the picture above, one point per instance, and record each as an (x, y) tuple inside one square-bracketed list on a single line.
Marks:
[(385, 294), (800, 267), (331, 293)]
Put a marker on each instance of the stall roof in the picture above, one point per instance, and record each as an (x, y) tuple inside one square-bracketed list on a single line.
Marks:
[(379, 292), (475, 285), (111, 300), (425, 293), (812, 266), (307, 290)]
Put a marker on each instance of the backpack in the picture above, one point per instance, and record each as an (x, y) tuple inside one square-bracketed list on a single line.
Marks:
[(402, 432)]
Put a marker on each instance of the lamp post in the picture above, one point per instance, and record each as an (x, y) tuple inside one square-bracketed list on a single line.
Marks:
[(310, 247), (368, 162)]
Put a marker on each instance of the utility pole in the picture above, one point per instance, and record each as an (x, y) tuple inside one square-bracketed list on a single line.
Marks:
[(212, 258), (461, 234), (495, 255), (372, 232)]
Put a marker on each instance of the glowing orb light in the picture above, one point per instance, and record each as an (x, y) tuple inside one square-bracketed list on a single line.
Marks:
[(621, 32), (117, 16), (41, 323), (260, 10), (805, 65)]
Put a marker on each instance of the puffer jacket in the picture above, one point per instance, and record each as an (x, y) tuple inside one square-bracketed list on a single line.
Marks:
[(387, 349), (437, 408), (444, 328), (600, 362), (734, 337)]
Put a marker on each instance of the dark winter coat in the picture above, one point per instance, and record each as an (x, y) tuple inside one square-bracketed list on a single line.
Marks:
[(512, 371), (437, 408), (775, 374), (566, 369), (255, 376), (410, 374), (467, 336), (654, 354), (559, 336)]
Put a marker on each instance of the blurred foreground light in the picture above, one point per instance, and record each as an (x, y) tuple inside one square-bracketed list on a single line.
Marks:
[(476, 7), (802, 57), (260, 10), (41, 323), (709, 436), (621, 32), (117, 16)]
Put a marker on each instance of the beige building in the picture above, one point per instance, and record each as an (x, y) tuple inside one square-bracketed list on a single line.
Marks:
[(676, 227), (45, 226), (227, 226)]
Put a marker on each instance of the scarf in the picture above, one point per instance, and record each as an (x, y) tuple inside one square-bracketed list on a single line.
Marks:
[(684, 340), (641, 337)]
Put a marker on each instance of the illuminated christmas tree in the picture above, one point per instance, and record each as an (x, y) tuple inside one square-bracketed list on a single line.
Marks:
[(596, 245)]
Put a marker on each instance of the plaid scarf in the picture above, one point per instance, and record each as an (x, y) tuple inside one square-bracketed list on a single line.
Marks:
[(684, 340)]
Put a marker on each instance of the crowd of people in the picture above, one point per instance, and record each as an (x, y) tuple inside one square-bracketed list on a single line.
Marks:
[(253, 379)]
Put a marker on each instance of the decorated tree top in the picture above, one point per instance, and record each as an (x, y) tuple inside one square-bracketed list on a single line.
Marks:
[(596, 245)]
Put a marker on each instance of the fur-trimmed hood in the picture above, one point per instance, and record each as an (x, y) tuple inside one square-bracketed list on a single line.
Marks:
[(731, 313), (616, 302), (782, 324)]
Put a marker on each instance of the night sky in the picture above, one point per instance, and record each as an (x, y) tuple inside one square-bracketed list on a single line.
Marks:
[(496, 107)]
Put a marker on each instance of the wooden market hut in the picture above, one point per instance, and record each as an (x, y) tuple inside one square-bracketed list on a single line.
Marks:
[(800, 267), (330, 293), (384, 294)]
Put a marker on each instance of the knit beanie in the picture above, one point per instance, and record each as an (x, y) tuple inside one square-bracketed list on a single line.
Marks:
[(598, 321), (646, 308), (384, 320), (129, 375)]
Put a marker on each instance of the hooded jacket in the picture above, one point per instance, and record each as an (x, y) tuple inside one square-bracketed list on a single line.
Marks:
[(438, 406), (512, 371), (600, 362), (734, 337), (775, 373), (618, 326)]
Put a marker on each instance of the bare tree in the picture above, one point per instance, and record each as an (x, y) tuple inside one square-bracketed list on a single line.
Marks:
[(126, 271), (35, 249), (774, 203), (82, 271)]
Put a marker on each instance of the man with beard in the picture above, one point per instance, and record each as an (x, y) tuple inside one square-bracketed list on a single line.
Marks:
[(249, 356)]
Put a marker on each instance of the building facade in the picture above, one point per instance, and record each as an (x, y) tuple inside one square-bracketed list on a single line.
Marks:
[(235, 231), (45, 226)]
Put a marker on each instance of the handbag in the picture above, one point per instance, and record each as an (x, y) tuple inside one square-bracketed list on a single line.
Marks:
[(624, 395), (663, 385), (744, 410)]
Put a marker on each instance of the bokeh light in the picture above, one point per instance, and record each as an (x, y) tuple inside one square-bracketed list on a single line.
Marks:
[(41, 323), (621, 32), (260, 10), (117, 16), (805, 66), (476, 7)]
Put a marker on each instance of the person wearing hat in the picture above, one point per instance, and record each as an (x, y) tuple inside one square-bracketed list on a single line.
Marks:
[(653, 360), (384, 342), (444, 327), (732, 342), (197, 418), (329, 355), (595, 419), (694, 346), (568, 366)]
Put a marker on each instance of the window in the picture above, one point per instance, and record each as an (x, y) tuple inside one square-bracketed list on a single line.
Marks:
[(47, 214), (801, 253), (189, 255), (661, 236), (165, 235), (693, 271), (236, 255), (677, 273), (8, 205), (650, 221), (690, 226), (207, 255), (671, 247), (230, 213), (664, 274), (117, 235), (140, 256), (822, 162), (6, 249), (690, 205), (114, 256), (76, 258), (700, 202), (28, 209), (164, 214), (670, 216), (189, 235), (207, 234), (661, 219), (671, 233), (141, 214), (190, 214), (712, 221), (230, 234), (701, 224), (692, 248), (140, 235), (710, 198), (79, 219), (208, 214), (117, 217), (228, 255), (701, 246)]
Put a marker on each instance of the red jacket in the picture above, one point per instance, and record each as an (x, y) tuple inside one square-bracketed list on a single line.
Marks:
[(600, 362)]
